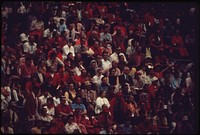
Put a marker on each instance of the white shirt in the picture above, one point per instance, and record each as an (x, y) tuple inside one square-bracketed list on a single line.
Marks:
[(47, 118), (97, 79), (48, 34), (54, 64), (10, 130), (105, 36), (78, 70), (50, 111), (99, 103), (114, 56), (67, 49), (40, 77), (29, 48), (43, 99), (4, 103), (106, 65), (56, 101), (69, 128), (38, 25)]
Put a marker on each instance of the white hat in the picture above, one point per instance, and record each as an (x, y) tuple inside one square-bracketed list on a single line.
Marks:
[(154, 79), (24, 37)]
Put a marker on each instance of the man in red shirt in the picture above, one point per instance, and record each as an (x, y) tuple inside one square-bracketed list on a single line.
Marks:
[(63, 109)]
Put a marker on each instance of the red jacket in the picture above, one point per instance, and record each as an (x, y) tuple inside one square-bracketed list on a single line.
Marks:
[(55, 80)]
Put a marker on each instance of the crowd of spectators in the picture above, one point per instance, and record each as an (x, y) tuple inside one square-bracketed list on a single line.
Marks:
[(98, 67)]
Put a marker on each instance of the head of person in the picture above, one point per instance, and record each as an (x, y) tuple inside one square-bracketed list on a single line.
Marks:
[(31, 38), (50, 102), (53, 55), (105, 109), (63, 100), (83, 72), (104, 80), (93, 64), (28, 60), (78, 100), (99, 71), (126, 70), (71, 86), (102, 94), (105, 55), (118, 50), (70, 41), (62, 21), (112, 71), (96, 44), (87, 85), (70, 119)]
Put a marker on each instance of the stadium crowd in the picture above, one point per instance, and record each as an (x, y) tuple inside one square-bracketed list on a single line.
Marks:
[(98, 68)]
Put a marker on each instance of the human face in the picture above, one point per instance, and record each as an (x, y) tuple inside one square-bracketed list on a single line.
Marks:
[(105, 55), (71, 86)]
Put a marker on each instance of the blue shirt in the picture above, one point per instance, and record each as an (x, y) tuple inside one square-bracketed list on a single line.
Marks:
[(75, 106)]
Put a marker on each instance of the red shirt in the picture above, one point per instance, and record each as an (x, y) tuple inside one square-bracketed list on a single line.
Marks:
[(97, 51), (152, 90), (29, 86), (27, 71), (178, 40), (63, 108), (122, 28), (55, 80)]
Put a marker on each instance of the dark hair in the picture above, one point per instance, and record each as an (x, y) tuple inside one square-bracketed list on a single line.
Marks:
[(100, 92)]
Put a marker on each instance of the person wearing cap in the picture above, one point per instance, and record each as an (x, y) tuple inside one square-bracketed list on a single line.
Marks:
[(92, 68), (130, 50), (89, 93)]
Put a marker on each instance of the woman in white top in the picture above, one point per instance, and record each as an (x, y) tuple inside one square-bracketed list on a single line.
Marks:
[(100, 101)]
